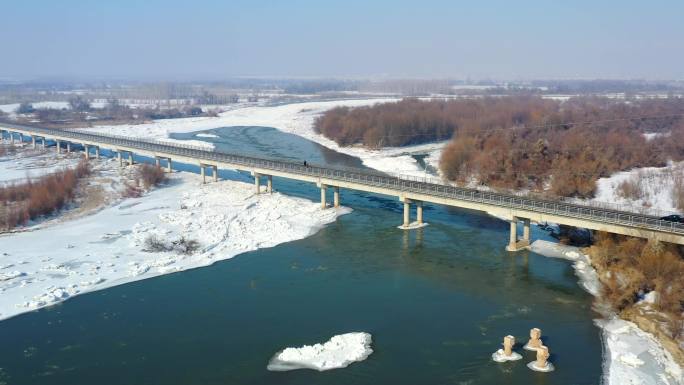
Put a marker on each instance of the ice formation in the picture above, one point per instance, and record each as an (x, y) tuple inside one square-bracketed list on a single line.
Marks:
[(338, 352)]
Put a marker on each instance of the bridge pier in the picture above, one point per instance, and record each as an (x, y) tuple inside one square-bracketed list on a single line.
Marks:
[(33, 141), (407, 225), (336, 196), (11, 134), (324, 189), (59, 146), (119, 158), (269, 184), (97, 152), (42, 142), (515, 244), (257, 182), (203, 172), (68, 147), (169, 169), (419, 212), (86, 151), (130, 158)]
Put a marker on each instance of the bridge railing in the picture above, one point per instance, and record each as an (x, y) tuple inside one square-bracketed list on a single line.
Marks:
[(426, 186)]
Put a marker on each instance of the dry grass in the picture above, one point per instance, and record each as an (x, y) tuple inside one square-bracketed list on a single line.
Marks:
[(151, 175), (678, 189), (631, 267), (6, 150), (182, 245), (35, 198), (630, 189)]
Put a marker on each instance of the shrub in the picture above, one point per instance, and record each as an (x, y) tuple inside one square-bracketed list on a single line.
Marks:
[(630, 189), (151, 175), (632, 267), (35, 198), (186, 246), (153, 243), (182, 245)]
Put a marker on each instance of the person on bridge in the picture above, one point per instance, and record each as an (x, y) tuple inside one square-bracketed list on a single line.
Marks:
[(304, 163)]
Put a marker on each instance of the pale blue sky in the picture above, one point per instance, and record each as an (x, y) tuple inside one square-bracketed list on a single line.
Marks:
[(204, 39)]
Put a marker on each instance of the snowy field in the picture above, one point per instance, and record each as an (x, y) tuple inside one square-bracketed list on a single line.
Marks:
[(632, 356), (29, 163), (297, 119), (654, 184), (53, 263)]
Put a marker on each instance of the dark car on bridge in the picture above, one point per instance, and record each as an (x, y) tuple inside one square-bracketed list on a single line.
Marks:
[(673, 218)]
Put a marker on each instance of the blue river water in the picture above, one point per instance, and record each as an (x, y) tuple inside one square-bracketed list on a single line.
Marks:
[(438, 301)]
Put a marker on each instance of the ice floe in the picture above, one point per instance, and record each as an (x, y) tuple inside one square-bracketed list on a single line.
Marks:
[(338, 352)]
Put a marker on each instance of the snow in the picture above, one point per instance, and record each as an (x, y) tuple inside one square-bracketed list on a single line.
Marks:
[(588, 277), (338, 352), (655, 185), (636, 357), (28, 163), (653, 135), (12, 108), (297, 119), (533, 365), (49, 264), (207, 136), (500, 356), (632, 356)]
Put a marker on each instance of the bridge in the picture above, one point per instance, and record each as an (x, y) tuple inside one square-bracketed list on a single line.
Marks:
[(409, 190)]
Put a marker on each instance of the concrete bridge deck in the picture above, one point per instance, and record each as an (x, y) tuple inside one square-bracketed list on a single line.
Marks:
[(409, 190)]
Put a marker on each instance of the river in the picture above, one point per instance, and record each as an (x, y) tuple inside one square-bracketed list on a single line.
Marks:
[(438, 302)]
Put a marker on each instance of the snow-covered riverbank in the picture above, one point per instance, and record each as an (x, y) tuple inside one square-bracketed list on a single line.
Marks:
[(655, 187), (51, 264), (297, 119), (631, 355), (25, 162)]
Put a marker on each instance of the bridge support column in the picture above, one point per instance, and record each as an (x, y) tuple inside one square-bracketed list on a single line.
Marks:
[(11, 137), (257, 182), (157, 161), (169, 169), (324, 189), (68, 147), (130, 158), (214, 172), (419, 212), (42, 142), (33, 141), (86, 151), (203, 173), (513, 243), (58, 144), (97, 152), (526, 231), (269, 184), (513, 239), (336, 197), (407, 213)]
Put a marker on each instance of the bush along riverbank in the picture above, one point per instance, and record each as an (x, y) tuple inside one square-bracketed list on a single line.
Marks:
[(643, 282), (633, 352)]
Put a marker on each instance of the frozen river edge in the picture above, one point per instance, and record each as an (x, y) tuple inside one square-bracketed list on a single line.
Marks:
[(53, 263), (631, 356)]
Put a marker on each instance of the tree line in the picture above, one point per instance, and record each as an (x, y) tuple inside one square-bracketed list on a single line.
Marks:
[(523, 142)]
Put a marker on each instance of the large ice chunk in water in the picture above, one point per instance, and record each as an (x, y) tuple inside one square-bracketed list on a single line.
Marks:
[(338, 352)]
